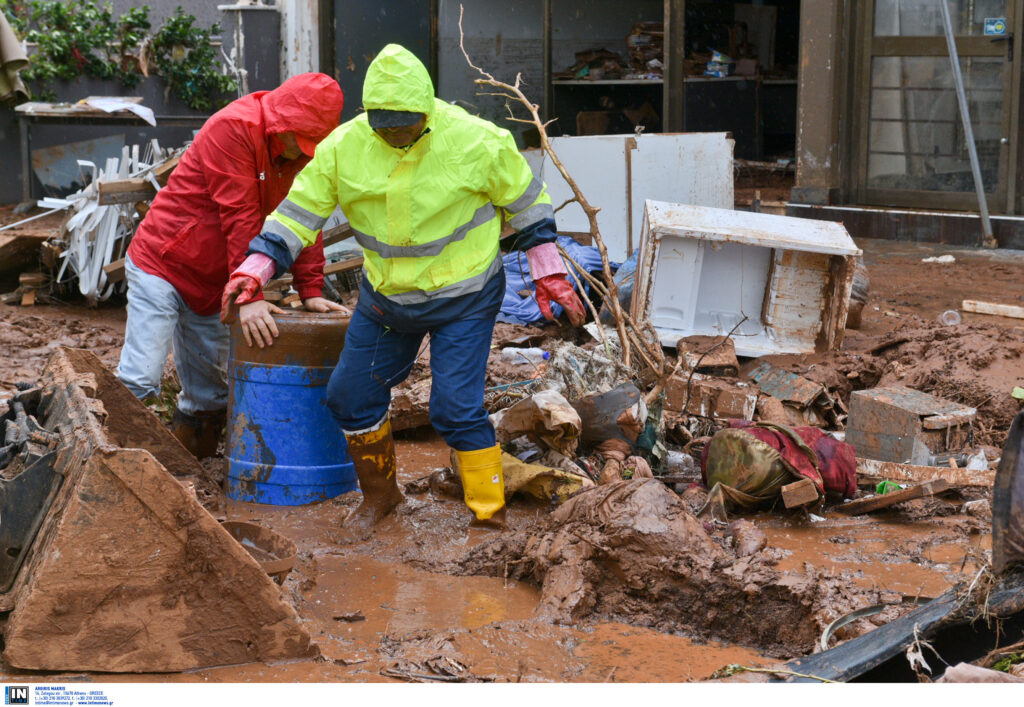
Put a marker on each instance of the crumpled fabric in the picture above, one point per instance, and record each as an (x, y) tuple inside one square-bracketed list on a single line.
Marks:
[(834, 463), (620, 463), (810, 452), (524, 310), (542, 482)]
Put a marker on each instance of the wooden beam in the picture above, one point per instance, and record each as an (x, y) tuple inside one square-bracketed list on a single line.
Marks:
[(329, 269), (873, 471), (115, 271), (337, 234), (126, 191), (996, 310), (162, 172), (877, 503), (799, 493)]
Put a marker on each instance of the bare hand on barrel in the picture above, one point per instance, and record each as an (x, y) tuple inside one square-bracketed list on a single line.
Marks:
[(258, 323), (322, 304)]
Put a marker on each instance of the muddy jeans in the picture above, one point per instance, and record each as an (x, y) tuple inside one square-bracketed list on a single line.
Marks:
[(376, 358), (159, 318)]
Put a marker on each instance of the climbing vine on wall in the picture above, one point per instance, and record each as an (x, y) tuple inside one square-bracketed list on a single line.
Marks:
[(83, 38), (183, 55)]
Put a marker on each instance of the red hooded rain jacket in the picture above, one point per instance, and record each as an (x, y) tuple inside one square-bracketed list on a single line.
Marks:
[(229, 179)]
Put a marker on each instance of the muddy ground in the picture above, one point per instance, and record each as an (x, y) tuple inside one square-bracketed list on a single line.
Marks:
[(572, 595)]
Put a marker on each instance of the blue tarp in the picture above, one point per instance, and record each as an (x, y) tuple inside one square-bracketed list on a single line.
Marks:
[(524, 310)]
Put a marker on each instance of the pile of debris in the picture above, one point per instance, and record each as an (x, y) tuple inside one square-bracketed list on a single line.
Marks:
[(742, 410), (90, 246)]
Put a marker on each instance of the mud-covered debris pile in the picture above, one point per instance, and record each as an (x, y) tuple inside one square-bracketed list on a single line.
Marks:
[(632, 551), (973, 364)]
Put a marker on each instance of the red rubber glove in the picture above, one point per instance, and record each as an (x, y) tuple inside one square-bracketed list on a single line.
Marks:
[(241, 288), (245, 283), (555, 288)]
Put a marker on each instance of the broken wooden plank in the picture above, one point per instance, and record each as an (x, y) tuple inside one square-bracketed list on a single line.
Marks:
[(799, 493), (33, 279), (996, 310), (951, 419), (872, 471), (337, 234), (115, 271), (126, 191), (162, 171), (877, 503), (343, 265), (329, 269)]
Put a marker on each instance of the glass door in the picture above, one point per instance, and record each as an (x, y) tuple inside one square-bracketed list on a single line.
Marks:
[(913, 152)]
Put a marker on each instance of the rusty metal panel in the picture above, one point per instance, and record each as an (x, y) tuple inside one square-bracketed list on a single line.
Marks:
[(786, 386), (879, 430), (916, 402)]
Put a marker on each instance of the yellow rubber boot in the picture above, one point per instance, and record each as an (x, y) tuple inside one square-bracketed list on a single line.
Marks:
[(482, 482)]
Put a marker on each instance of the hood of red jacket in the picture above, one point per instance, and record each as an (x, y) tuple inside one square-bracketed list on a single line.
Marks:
[(308, 105)]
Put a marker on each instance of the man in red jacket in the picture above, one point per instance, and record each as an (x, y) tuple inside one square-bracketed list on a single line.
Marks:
[(236, 171)]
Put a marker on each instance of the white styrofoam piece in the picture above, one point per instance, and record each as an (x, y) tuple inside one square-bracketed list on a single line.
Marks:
[(766, 230), (618, 173)]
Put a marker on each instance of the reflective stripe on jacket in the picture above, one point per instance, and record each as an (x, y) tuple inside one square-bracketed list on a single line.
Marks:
[(426, 216)]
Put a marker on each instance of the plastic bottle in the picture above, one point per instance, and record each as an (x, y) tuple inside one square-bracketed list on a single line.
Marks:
[(950, 317), (530, 355)]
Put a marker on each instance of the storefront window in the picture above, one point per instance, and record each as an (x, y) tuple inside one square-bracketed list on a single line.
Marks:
[(923, 18), (916, 136)]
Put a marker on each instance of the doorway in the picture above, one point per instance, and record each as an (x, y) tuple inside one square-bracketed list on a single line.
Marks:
[(909, 143)]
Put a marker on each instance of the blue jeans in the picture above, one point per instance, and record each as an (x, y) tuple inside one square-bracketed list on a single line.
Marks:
[(158, 319), (376, 358)]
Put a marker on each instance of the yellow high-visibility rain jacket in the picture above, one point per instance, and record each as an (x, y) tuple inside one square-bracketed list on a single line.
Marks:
[(427, 215)]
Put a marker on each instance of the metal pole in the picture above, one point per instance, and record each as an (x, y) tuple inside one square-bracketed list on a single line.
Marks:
[(987, 239), (26, 160), (546, 110)]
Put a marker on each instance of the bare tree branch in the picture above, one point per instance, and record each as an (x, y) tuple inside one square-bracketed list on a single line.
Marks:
[(632, 335)]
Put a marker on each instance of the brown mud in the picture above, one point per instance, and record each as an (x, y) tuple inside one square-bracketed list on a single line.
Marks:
[(674, 604)]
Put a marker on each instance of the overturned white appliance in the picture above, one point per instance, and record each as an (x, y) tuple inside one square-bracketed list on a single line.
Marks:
[(704, 271)]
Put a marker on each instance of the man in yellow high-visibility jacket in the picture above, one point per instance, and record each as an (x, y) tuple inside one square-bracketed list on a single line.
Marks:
[(423, 185)]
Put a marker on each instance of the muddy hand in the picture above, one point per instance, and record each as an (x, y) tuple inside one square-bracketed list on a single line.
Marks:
[(322, 304), (257, 321)]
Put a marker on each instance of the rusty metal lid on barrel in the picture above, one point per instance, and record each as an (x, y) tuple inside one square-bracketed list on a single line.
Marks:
[(284, 446), (305, 339)]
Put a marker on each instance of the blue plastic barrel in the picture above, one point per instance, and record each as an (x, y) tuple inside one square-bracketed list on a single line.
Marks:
[(284, 447)]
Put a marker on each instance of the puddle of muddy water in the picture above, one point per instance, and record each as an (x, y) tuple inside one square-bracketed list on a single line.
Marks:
[(486, 623), (912, 558)]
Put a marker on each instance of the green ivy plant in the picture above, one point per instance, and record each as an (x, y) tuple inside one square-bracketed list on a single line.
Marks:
[(82, 37), (184, 56)]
